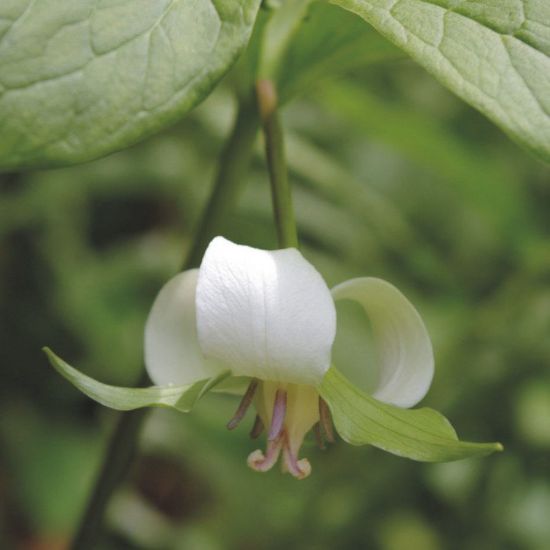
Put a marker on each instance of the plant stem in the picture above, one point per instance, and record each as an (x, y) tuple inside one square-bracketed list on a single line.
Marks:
[(121, 450), (283, 209), (123, 444), (229, 179)]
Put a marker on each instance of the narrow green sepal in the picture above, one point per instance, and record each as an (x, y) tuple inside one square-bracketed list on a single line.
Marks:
[(420, 434), (181, 398)]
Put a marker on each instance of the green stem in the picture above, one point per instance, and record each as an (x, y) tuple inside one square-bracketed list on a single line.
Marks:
[(122, 447), (229, 180), (283, 209), (119, 455)]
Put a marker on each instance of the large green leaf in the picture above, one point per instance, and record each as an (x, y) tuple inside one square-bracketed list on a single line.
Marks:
[(493, 54), (420, 434), (181, 398), (82, 78)]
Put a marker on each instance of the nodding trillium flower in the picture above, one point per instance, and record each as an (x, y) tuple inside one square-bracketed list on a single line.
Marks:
[(268, 319), (271, 317)]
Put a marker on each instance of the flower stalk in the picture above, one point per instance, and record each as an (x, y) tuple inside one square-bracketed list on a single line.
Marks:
[(283, 209), (229, 180), (119, 455)]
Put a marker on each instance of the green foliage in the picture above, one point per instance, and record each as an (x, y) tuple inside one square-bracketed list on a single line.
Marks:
[(181, 398), (79, 80), (486, 185), (79, 83), (495, 55), (420, 434)]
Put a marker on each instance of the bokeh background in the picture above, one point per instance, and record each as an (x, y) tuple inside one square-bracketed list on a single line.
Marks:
[(393, 177)]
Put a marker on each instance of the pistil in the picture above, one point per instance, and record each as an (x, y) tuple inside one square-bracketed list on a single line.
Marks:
[(288, 411), (300, 469), (279, 412), (262, 463)]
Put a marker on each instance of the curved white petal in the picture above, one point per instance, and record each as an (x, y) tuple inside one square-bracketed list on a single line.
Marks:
[(266, 314), (172, 352), (403, 346)]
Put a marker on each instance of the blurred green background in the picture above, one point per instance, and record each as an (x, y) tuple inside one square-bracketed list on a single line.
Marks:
[(393, 177)]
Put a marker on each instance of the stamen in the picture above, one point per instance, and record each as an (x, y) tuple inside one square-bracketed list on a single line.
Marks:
[(325, 419), (262, 463), (243, 405), (279, 411), (319, 436), (300, 469), (258, 428)]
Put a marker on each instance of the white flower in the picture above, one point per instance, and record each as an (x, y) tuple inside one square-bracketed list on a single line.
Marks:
[(269, 316)]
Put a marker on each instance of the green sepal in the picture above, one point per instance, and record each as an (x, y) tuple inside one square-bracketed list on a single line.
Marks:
[(420, 434), (181, 398)]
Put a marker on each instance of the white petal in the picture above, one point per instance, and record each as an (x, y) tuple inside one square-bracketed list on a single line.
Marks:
[(172, 352), (403, 346), (266, 314)]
